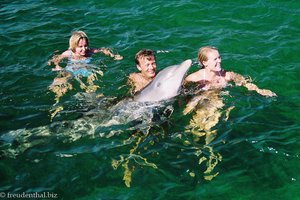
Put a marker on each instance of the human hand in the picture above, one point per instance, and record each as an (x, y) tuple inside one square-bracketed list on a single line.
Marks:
[(107, 52), (57, 68), (267, 93), (118, 57)]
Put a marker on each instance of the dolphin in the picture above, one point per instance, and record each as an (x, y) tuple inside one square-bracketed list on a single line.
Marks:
[(165, 85), (129, 114)]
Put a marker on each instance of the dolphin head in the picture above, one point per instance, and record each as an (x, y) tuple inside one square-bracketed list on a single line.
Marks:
[(165, 85)]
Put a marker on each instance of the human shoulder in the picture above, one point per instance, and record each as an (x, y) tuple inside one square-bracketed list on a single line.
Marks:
[(135, 80), (57, 59), (135, 76), (195, 77), (66, 54)]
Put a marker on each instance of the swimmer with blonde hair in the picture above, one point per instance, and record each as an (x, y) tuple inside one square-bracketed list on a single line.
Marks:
[(79, 50), (79, 56), (207, 107), (212, 76)]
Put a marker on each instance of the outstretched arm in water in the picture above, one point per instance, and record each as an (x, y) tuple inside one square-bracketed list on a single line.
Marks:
[(239, 80)]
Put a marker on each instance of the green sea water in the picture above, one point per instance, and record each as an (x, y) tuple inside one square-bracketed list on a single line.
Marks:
[(253, 153)]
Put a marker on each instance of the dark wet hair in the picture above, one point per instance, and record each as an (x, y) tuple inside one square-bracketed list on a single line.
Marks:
[(143, 53)]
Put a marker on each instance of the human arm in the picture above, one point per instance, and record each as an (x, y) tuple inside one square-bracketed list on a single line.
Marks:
[(108, 52), (56, 59), (239, 80)]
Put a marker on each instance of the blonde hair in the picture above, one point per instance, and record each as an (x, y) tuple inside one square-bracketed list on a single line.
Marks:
[(75, 38), (202, 53)]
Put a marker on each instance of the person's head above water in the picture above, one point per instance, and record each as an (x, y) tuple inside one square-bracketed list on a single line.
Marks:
[(209, 57), (78, 39), (145, 61)]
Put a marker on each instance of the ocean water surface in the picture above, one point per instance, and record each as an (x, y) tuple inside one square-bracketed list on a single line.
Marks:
[(92, 144)]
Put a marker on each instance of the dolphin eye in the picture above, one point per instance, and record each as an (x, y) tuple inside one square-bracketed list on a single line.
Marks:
[(158, 84)]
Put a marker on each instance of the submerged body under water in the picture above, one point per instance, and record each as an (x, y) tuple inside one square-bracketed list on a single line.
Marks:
[(138, 126)]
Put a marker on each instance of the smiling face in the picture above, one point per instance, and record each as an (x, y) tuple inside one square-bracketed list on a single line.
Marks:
[(82, 47), (166, 84), (213, 61), (79, 43), (147, 66)]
